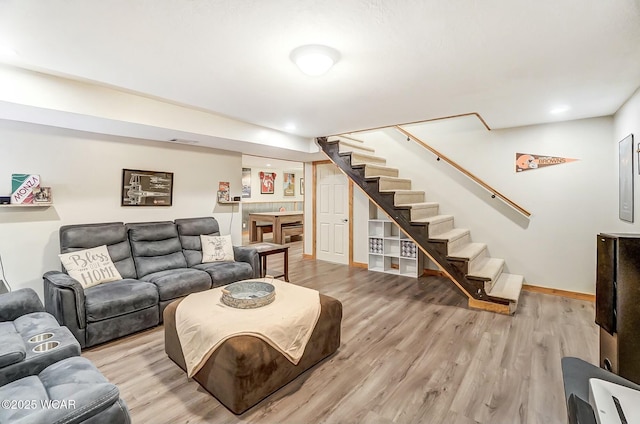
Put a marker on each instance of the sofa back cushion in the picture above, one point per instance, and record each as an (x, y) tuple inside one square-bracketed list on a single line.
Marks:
[(112, 234), (155, 247), (190, 230)]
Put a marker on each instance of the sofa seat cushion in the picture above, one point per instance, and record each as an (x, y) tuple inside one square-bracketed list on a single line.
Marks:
[(12, 348), (174, 283), (74, 388), (223, 273), (35, 323), (117, 298)]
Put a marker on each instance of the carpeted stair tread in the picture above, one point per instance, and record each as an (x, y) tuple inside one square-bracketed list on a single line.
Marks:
[(394, 179), (406, 196), (436, 219), (487, 269), (403, 191), (358, 158), (452, 235), (422, 205), (469, 251), (345, 137), (372, 170), (350, 146), (508, 286), (393, 183)]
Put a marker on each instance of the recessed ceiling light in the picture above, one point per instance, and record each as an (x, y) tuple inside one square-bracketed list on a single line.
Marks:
[(268, 164), (314, 59), (290, 127), (559, 109)]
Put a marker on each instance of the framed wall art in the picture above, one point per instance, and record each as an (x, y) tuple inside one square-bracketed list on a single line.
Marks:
[(302, 186), (267, 182), (289, 186), (625, 178), (246, 183), (146, 188)]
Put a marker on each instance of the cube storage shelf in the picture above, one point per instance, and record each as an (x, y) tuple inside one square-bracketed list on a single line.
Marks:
[(391, 250)]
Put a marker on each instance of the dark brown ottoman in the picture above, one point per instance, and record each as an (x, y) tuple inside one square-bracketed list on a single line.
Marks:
[(245, 369)]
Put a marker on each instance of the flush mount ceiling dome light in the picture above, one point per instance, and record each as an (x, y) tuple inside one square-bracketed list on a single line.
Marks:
[(314, 59)]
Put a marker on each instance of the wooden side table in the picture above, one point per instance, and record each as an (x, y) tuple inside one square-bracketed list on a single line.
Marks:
[(267, 249)]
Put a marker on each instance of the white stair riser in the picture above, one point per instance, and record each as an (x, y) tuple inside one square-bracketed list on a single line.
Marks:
[(343, 148), (407, 198), (473, 263), (394, 185), (419, 213), (440, 227), (357, 159), (379, 172), (488, 285), (454, 245)]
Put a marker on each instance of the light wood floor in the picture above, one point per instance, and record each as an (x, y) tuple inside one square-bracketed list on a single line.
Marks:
[(411, 353)]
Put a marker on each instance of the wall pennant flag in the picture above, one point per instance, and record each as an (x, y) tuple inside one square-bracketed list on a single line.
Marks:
[(22, 188), (528, 161)]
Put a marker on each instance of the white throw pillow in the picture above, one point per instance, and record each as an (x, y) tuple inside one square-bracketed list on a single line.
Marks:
[(90, 266), (216, 248)]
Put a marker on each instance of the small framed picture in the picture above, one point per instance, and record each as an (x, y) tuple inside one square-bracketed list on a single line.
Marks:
[(42, 195), (302, 186), (289, 186), (267, 182)]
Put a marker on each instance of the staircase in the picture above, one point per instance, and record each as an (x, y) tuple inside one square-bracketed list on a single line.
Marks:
[(466, 263)]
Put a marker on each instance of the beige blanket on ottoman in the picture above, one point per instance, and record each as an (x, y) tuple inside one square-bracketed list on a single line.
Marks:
[(203, 322)]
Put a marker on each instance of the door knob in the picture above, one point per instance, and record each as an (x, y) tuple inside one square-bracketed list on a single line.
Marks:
[(345, 220)]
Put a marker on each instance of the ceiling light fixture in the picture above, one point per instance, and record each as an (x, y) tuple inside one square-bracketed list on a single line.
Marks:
[(314, 59)]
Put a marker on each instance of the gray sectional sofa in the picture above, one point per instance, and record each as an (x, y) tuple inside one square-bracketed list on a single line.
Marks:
[(43, 380), (159, 262)]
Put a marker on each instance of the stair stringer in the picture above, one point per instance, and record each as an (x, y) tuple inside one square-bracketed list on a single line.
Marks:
[(478, 297)]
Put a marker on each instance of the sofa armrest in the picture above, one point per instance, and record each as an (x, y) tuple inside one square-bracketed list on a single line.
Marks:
[(61, 306), (249, 255), (17, 303)]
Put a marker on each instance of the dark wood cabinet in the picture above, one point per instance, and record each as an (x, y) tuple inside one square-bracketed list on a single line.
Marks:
[(618, 303)]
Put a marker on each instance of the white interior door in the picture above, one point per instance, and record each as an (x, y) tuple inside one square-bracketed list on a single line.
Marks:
[(332, 214)]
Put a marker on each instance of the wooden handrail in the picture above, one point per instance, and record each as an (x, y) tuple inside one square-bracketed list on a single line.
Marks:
[(494, 192)]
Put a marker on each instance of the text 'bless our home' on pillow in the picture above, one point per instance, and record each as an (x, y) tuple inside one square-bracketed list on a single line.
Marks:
[(90, 267)]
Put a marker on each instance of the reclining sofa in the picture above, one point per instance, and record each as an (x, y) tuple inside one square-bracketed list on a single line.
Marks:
[(43, 380), (159, 262)]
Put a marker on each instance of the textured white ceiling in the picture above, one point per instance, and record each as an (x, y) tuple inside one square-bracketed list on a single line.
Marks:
[(511, 61)]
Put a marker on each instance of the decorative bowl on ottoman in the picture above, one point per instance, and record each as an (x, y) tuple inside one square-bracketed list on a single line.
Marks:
[(248, 294)]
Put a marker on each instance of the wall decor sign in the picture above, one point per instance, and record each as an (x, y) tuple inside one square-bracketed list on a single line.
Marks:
[(146, 188), (267, 182), (625, 178), (289, 184), (246, 182), (529, 161), (223, 191), (22, 188)]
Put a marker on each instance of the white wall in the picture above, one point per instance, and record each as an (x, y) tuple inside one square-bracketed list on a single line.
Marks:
[(570, 203), (85, 173)]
